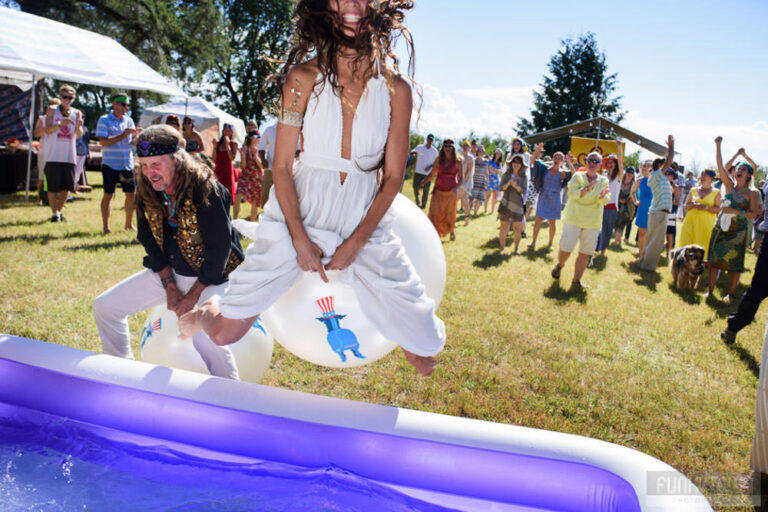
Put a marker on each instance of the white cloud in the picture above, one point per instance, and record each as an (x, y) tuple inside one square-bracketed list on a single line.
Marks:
[(482, 110), (695, 141), (518, 99), (488, 111), (439, 113)]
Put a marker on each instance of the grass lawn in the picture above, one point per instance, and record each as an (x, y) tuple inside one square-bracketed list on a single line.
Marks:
[(630, 361)]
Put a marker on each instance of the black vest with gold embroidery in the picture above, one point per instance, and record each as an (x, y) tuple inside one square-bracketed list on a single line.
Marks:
[(188, 234)]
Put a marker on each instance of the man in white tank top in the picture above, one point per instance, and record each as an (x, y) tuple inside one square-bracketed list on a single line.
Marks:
[(63, 125)]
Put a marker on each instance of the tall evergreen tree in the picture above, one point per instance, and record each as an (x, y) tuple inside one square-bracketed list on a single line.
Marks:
[(578, 87)]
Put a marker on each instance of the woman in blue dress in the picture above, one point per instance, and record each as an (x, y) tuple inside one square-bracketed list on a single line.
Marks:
[(494, 170), (642, 195), (548, 183)]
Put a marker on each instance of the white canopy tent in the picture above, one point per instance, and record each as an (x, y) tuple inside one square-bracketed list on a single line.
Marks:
[(209, 119), (37, 47), (32, 47)]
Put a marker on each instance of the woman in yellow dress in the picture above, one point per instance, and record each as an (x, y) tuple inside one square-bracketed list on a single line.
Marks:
[(701, 207)]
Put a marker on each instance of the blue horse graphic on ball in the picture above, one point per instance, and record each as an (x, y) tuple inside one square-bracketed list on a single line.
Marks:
[(339, 339)]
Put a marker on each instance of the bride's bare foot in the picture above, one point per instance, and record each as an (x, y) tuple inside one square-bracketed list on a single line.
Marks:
[(191, 322), (425, 364)]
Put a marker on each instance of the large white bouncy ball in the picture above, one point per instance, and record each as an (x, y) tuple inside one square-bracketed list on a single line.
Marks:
[(422, 244), (161, 344), (325, 324)]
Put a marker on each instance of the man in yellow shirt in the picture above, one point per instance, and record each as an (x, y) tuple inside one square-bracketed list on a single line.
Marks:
[(583, 216)]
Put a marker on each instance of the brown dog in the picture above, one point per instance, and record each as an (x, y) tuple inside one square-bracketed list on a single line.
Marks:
[(687, 265)]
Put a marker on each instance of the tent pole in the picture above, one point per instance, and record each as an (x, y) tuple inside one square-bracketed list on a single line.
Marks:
[(31, 135)]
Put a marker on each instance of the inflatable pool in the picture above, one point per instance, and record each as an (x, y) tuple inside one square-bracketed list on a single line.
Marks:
[(85, 431)]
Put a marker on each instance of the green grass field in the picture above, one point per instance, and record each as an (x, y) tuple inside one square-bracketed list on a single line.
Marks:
[(630, 361)]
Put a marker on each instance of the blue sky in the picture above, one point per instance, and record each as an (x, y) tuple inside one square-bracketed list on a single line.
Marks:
[(695, 69)]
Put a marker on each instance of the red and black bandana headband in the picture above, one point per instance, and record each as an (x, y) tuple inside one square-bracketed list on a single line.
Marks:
[(146, 148)]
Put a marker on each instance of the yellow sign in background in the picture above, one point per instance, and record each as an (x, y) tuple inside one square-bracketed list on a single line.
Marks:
[(581, 147)]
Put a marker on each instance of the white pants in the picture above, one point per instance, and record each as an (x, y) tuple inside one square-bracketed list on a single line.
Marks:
[(142, 291), (79, 168)]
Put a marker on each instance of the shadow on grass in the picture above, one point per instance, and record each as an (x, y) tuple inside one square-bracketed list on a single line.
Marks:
[(690, 296), (39, 239), (563, 296), (746, 357), (17, 201), (492, 259), (80, 196), (493, 243), (43, 239), (648, 278), (721, 308), (599, 261), (540, 253), (107, 244), (25, 223)]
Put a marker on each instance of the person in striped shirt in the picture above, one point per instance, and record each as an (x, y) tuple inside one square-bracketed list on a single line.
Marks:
[(661, 206)]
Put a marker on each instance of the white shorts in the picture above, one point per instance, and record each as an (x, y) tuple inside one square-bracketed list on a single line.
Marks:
[(586, 238)]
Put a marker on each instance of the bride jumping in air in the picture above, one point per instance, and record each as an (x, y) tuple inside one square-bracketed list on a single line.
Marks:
[(330, 210)]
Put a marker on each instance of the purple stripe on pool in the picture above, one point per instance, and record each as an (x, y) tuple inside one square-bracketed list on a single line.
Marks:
[(478, 473)]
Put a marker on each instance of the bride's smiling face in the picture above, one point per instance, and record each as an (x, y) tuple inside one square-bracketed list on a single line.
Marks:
[(350, 12)]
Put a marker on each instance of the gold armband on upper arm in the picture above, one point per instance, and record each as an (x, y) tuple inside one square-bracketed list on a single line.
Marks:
[(291, 118)]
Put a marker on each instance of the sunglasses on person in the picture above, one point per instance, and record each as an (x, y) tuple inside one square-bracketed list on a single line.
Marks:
[(67, 97), (123, 104), (447, 144), (187, 121), (593, 160)]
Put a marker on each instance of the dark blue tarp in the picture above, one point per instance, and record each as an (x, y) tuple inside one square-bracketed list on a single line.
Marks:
[(14, 113)]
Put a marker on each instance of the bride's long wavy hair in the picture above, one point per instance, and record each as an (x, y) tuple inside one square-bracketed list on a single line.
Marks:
[(318, 32)]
